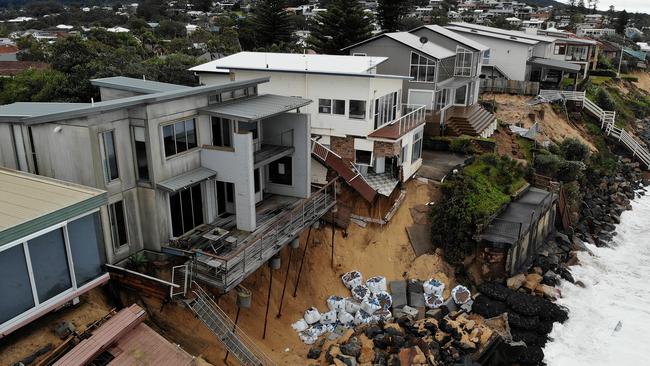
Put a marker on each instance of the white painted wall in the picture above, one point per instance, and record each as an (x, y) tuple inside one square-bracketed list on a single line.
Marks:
[(510, 57)]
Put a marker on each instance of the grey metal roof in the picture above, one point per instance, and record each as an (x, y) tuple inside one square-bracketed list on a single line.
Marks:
[(29, 203), (136, 85), (412, 41), (43, 114), (185, 180), (505, 32), (555, 64), (29, 109), (492, 35), (256, 108), (455, 36)]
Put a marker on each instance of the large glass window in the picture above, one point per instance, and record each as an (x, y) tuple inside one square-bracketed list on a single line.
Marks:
[(109, 155), (463, 62), (339, 106), (179, 137), (221, 132), (49, 264), (442, 99), (142, 164), (559, 49), (417, 147), (87, 247), (386, 108), (117, 219), (280, 171), (358, 109), (461, 95), (15, 287), (186, 209), (423, 69)]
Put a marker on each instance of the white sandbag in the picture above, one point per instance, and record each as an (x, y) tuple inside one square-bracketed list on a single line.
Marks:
[(383, 315), (319, 329), (336, 303), (370, 305), (433, 287), (384, 299), (377, 284), (360, 292), (432, 301), (461, 294), (328, 317), (362, 318), (352, 279), (300, 325), (352, 305), (307, 337), (312, 315), (346, 319)]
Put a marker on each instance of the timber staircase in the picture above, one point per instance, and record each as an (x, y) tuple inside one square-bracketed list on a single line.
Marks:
[(345, 170), (607, 120), (473, 120), (231, 336)]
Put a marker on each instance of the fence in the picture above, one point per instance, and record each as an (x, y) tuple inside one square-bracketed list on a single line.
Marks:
[(510, 86), (607, 121)]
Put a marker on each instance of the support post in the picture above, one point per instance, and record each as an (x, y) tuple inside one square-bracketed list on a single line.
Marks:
[(284, 286), (268, 302), (302, 262)]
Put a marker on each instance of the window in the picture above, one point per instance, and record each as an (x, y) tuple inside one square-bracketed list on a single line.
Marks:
[(358, 109), (386, 108), (363, 157), (339, 106), (109, 155), (87, 247), (325, 106), (179, 137), (50, 264), (422, 69), (442, 99), (140, 146), (221, 132), (486, 57), (417, 147), (560, 49), (15, 284), (256, 180), (117, 219), (463, 62), (460, 95), (280, 171), (404, 155), (186, 209)]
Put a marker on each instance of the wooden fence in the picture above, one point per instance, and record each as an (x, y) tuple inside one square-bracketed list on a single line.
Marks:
[(509, 86)]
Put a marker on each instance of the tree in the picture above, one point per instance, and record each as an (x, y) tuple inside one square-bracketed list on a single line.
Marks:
[(621, 22), (172, 69), (271, 23), (389, 13), (171, 29), (30, 49), (34, 86), (343, 24), (202, 5)]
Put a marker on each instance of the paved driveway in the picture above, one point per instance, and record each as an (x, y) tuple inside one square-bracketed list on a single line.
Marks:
[(437, 164)]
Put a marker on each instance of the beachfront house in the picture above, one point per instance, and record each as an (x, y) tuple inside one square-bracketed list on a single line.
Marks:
[(361, 127), (177, 162), (444, 69), (51, 245)]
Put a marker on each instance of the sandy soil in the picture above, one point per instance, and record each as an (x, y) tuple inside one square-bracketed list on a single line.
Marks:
[(93, 306), (373, 251), (644, 80), (555, 126)]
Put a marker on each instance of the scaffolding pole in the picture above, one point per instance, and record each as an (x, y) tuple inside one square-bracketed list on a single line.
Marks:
[(302, 262)]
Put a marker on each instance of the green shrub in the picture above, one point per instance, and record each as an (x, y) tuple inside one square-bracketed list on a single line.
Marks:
[(547, 164), (569, 171), (574, 150), (602, 72), (605, 100), (630, 78), (462, 145)]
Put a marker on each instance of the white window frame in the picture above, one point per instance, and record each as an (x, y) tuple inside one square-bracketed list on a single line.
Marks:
[(417, 139), (486, 57), (330, 108), (461, 68), (173, 124), (105, 160), (428, 63), (365, 109)]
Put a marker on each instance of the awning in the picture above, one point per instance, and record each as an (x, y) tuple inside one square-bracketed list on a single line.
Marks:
[(185, 180), (256, 108), (454, 82), (555, 64)]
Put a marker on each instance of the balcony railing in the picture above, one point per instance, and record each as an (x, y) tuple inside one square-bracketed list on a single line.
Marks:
[(413, 115)]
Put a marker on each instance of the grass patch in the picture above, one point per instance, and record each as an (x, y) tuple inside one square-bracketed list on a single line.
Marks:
[(599, 80), (526, 146), (500, 172)]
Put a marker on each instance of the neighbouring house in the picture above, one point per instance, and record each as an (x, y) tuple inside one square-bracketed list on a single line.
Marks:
[(595, 32), (361, 128), (634, 59), (51, 245), (178, 162), (443, 69), (517, 55), (611, 51)]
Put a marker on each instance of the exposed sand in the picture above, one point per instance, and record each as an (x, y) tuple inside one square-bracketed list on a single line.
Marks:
[(373, 251), (27, 340), (644, 80), (514, 109)]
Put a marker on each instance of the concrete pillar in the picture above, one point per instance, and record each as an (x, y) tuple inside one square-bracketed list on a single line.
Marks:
[(244, 182)]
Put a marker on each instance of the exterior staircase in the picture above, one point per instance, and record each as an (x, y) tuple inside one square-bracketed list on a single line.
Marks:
[(473, 120), (345, 170), (233, 338)]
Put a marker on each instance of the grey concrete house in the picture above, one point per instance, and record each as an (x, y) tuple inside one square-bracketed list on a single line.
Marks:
[(174, 160), (444, 68), (51, 245)]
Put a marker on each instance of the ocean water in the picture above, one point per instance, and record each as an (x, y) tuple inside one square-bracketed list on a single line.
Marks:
[(617, 290)]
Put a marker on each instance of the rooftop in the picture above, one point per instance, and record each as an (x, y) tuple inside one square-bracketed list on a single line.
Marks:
[(457, 37), (136, 85), (29, 203), (294, 62), (258, 107), (412, 41), (503, 32), (493, 35)]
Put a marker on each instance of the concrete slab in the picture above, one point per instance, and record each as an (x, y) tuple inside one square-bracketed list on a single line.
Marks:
[(420, 238), (437, 164), (398, 292)]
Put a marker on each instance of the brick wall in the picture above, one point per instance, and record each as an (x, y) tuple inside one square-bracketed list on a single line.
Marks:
[(386, 149), (344, 146)]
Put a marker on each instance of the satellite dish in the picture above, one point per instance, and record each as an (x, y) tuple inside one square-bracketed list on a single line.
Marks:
[(424, 40)]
